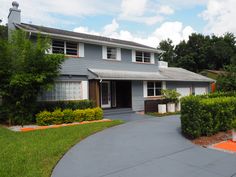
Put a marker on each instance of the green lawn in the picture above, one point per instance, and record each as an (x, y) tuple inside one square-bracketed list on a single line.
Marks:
[(36, 153)]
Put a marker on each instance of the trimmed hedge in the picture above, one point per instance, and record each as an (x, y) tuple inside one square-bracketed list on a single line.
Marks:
[(52, 105), (68, 115), (206, 116)]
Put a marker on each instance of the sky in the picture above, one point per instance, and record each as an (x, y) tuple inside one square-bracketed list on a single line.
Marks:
[(143, 21)]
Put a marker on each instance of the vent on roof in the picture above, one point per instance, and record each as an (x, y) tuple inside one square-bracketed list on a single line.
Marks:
[(162, 64)]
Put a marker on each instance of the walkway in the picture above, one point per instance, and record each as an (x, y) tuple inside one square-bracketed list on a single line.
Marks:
[(148, 147)]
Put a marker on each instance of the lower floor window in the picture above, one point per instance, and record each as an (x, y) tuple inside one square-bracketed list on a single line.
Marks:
[(63, 91), (154, 88)]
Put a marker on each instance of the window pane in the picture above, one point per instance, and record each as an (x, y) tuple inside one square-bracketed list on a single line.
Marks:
[(71, 48), (147, 60), (111, 53), (158, 91), (150, 84), (63, 91), (57, 46), (158, 84), (139, 56), (150, 92), (146, 54), (71, 51), (147, 57)]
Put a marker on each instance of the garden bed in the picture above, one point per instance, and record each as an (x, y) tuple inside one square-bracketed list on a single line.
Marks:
[(206, 141)]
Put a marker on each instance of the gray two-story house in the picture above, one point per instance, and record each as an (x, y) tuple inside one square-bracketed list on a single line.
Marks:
[(114, 73)]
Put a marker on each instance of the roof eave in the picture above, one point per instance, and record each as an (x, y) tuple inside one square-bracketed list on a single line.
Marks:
[(91, 41)]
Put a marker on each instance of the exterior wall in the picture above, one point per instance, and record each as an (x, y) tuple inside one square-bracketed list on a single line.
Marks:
[(137, 96), (92, 52), (192, 85), (126, 55)]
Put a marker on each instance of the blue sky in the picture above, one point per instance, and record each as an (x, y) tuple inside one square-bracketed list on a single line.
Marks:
[(144, 21)]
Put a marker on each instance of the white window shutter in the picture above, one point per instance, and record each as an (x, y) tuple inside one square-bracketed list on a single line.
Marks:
[(104, 52), (152, 58), (163, 85), (133, 56), (144, 88), (84, 89), (81, 49), (118, 54)]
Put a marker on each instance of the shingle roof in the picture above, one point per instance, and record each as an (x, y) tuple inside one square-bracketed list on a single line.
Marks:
[(37, 28), (105, 69)]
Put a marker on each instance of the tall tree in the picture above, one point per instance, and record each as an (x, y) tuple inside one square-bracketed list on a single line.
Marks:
[(25, 70), (168, 48), (3, 32)]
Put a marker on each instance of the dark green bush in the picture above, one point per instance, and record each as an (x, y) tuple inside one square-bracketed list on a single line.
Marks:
[(206, 116), (68, 115), (52, 105)]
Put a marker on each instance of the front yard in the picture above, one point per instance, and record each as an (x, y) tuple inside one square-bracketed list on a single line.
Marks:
[(34, 154)]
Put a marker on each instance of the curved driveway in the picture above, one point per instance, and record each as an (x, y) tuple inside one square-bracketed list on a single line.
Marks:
[(148, 147)]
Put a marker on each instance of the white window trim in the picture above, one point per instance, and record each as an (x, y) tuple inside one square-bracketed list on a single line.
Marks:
[(152, 57), (84, 90), (145, 89), (80, 46), (80, 49), (118, 54)]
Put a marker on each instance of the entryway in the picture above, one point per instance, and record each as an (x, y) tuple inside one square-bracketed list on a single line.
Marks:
[(115, 94)]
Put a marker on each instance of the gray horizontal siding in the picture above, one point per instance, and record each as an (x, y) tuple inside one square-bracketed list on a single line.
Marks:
[(137, 96)]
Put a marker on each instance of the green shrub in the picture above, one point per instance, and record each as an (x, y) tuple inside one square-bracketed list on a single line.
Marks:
[(98, 113), (206, 116), (44, 118), (68, 116), (57, 117), (52, 105), (79, 115), (234, 124)]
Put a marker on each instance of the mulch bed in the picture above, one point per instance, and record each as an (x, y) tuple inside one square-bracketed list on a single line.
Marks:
[(206, 141)]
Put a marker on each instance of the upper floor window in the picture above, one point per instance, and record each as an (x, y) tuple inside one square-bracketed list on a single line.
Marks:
[(154, 88), (64, 47), (144, 57), (111, 53)]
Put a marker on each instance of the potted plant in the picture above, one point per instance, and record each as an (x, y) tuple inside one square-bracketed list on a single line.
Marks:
[(234, 130), (172, 97), (161, 108)]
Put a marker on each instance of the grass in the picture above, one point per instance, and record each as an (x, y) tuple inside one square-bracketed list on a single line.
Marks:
[(34, 154), (156, 114)]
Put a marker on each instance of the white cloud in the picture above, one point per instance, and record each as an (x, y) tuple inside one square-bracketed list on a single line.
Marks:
[(111, 28), (49, 12), (173, 30), (167, 10), (83, 29), (220, 16), (144, 11)]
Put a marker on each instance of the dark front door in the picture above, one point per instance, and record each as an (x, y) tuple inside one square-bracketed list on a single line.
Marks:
[(123, 94)]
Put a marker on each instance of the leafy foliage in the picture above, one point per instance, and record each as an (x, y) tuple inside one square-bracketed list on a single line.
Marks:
[(201, 52), (227, 81), (207, 116), (172, 95), (52, 105), (68, 115), (25, 70)]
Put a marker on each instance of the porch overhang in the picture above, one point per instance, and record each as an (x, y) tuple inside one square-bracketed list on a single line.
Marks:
[(104, 74), (158, 75)]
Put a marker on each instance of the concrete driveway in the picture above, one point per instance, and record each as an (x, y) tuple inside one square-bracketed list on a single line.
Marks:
[(148, 147)]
